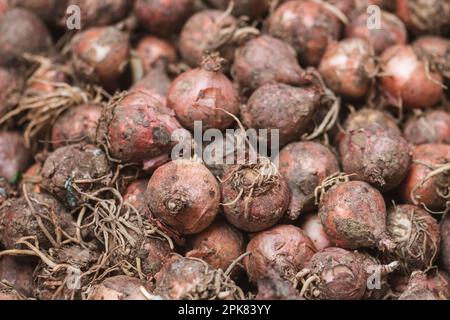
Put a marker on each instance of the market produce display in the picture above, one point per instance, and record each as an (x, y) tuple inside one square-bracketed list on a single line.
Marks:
[(224, 150)]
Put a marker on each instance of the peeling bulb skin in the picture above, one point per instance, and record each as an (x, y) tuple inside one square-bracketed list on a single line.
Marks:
[(204, 94)]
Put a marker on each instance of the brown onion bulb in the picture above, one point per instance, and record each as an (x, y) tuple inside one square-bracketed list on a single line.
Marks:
[(202, 34), (305, 165), (430, 127), (339, 274), (185, 195), (76, 124), (203, 94), (348, 67), (219, 245), (250, 8), (376, 155), (306, 25), (21, 32), (253, 200), (152, 51), (417, 237), (406, 80), (163, 17), (138, 127), (266, 60), (419, 187), (14, 156), (100, 55), (353, 215), (392, 31), (284, 246)]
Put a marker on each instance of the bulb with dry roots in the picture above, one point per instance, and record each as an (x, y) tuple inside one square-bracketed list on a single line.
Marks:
[(163, 17), (219, 245), (402, 72), (392, 31), (417, 237), (285, 247), (376, 155), (338, 274), (348, 67), (284, 108), (35, 215), (208, 31), (266, 60), (119, 288), (67, 272), (192, 279), (204, 94), (100, 55), (21, 32), (254, 196), (353, 215), (14, 156), (185, 195), (305, 165), (419, 288), (308, 26), (78, 124), (428, 180), (135, 195), (70, 171), (430, 127), (136, 127)]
